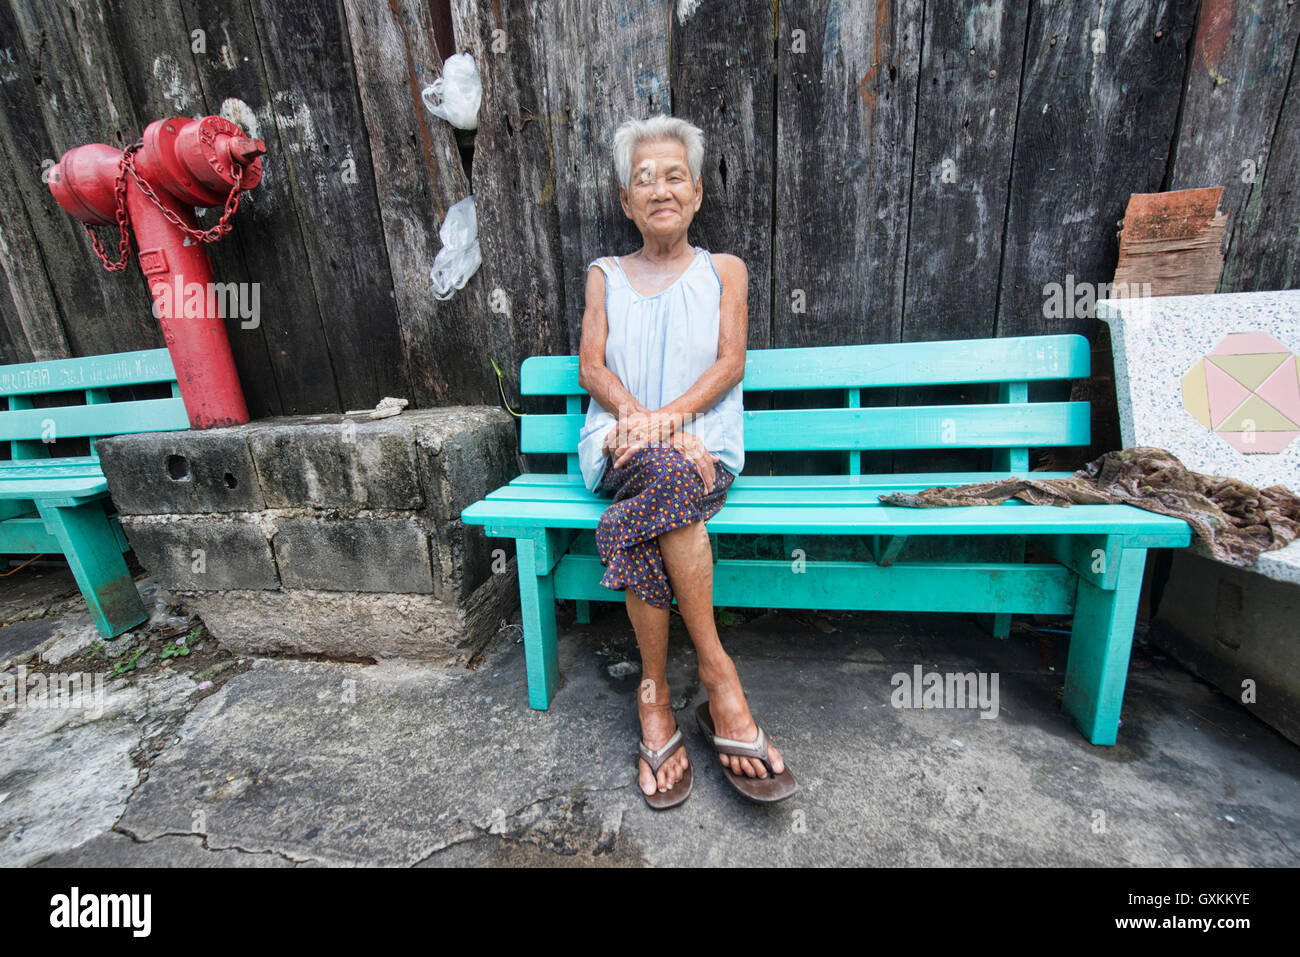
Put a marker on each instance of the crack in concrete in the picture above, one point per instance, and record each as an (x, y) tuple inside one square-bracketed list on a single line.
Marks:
[(482, 831), (137, 839), (568, 793), (143, 762)]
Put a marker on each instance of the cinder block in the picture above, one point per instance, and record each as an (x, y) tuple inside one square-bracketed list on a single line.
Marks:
[(346, 463), (359, 555), (163, 473), (463, 559), (464, 453), (1230, 626), (359, 625), (204, 555)]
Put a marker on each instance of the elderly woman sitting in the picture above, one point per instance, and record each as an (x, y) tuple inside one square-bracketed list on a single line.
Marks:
[(663, 355)]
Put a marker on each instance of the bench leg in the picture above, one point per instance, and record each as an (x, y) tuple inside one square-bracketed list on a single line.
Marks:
[(92, 551), (537, 603), (997, 624), (584, 611), (1100, 642), (1002, 624)]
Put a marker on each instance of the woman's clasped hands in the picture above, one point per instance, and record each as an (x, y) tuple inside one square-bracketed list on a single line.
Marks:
[(639, 430)]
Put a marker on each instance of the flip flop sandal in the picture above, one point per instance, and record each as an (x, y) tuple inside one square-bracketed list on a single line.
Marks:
[(679, 792), (774, 787)]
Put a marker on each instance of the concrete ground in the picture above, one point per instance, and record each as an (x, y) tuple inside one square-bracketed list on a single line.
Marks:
[(296, 763)]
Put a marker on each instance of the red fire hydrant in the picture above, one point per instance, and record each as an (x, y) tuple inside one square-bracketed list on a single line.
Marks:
[(152, 188)]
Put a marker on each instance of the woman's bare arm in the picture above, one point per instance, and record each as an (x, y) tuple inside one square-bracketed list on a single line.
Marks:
[(593, 375), (733, 336)]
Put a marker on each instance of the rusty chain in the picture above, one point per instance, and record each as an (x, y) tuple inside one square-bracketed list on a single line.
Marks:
[(123, 219), (211, 235)]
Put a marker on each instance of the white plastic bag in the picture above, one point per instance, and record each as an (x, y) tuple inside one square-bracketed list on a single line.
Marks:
[(459, 257), (456, 95)]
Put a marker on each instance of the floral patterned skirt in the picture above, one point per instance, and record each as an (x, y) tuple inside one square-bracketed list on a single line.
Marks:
[(656, 491)]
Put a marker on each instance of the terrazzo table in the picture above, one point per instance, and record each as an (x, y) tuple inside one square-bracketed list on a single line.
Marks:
[(1216, 381)]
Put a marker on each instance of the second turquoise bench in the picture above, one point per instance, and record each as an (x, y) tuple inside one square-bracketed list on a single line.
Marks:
[(61, 505)]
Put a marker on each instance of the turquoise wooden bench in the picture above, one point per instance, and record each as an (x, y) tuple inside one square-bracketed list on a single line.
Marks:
[(965, 559), (60, 504)]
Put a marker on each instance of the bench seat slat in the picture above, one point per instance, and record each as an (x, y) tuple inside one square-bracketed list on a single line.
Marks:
[(51, 467), (860, 519), (893, 480), (53, 489), (61, 481), (749, 495)]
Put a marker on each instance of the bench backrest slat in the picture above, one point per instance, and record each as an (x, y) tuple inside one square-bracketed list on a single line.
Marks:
[(879, 427), (88, 372), (881, 365), (30, 428), (78, 421), (1009, 426)]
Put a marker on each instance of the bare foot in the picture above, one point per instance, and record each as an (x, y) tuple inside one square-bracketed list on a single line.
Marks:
[(657, 726), (731, 719)]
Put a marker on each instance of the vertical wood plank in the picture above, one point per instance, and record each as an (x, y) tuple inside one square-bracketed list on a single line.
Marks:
[(1098, 105), (313, 106), (62, 88), (516, 186), (573, 406), (726, 89), (853, 400), (846, 105), (30, 307), (26, 448), (623, 72), (846, 101), (965, 117), (419, 176), (1264, 241), (160, 69), (11, 351), (1012, 459), (268, 245), (1243, 55)]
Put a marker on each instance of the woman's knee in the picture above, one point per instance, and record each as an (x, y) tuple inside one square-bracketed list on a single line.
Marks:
[(683, 533), (675, 470)]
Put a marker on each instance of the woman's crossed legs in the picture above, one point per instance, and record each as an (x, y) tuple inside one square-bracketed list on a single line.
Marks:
[(666, 484), (688, 560)]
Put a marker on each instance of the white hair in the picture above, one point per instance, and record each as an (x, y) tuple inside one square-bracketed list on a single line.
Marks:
[(633, 133)]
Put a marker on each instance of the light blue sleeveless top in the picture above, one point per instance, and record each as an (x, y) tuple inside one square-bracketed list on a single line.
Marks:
[(658, 346)]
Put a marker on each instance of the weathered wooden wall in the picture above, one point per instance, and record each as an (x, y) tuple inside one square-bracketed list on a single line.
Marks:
[(888, 169)]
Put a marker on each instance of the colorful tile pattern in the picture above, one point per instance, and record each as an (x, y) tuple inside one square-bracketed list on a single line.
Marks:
[(1247, 392), (1160, 346)]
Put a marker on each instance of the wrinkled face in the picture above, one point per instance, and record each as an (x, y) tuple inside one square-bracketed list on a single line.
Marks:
[(661, 200)]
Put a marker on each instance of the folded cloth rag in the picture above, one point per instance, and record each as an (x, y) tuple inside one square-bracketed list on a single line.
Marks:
[(1237, 521)]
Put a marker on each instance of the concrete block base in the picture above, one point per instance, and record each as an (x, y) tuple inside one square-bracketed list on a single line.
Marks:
[(1232, 626), (326, 536), (358, 626)]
